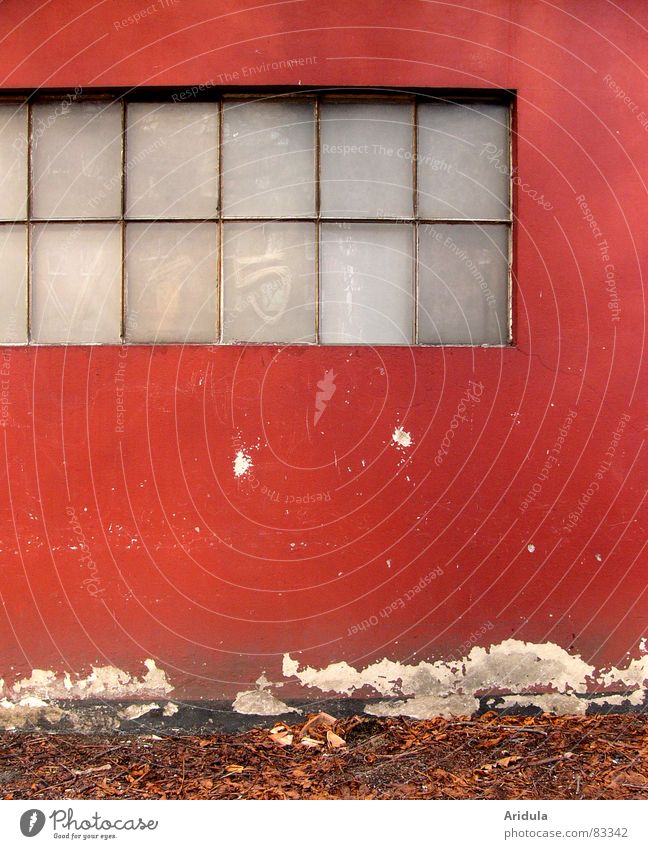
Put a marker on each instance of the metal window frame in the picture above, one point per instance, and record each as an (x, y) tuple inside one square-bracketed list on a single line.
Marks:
[(317, 96)]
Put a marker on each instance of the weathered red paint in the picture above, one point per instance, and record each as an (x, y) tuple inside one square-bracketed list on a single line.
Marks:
[(216, 579)]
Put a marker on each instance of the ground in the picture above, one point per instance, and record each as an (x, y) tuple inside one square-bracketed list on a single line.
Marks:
[(492, 757)]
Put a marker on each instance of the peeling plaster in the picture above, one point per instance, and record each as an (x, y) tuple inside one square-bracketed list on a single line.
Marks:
[(638, 697), (260, 703), (635, 675), (560, 703), (136, 711), (103, 681), (513, 674), (423, 707), (513, 668), (26, 714)]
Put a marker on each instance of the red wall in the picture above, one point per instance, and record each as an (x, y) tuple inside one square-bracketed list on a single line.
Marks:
[(213, 577)]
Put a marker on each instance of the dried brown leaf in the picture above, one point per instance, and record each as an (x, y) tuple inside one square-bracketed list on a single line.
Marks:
[(309, 743), (318, 721), (334, 740)]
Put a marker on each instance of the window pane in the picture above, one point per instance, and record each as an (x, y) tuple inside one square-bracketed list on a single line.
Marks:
[(171, 282), (268, 159), (77, 150), (76, 283), (13, 284), (269, 282), (172, 163), (463, 284), (463, 160), (366, 160), (366, 284), (13, 161)]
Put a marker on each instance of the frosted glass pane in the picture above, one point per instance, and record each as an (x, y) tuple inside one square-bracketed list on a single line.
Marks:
[(13, 161), (171, 282), (367, 284), (366, 160), (463, 160), (269, 282), (172, 162), (13, 284), (76, 168), (76, 283), (269, 159), (463, 284)]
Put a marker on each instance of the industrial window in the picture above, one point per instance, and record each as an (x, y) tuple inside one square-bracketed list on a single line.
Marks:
[(356, 219)]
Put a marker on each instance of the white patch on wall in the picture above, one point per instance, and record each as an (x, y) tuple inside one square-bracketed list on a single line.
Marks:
[(514, 669), (260, 703), (401, 438), (104, 681), (136, 711), (242, 464)]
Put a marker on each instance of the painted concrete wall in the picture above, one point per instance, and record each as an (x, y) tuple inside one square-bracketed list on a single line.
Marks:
[(458, 521)]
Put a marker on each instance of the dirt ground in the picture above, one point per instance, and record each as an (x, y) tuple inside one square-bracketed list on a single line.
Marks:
[(493, 757)]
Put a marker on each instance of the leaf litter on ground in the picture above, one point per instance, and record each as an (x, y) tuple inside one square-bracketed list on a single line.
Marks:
[(362, 757)]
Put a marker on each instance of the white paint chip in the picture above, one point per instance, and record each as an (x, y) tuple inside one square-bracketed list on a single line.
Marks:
[(401, 438), (531, 547), (242, 464)]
